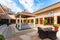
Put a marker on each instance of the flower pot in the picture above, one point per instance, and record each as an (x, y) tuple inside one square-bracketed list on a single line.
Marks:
[(56, 28)]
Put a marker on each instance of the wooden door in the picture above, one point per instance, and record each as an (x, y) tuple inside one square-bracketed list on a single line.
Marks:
[(41, 20)]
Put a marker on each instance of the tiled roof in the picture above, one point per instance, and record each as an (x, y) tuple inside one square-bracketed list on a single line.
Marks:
[(51, 7)]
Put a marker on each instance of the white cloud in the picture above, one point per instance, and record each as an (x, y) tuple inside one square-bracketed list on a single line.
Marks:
[(53, 1), (12, 5), (38, 5), (29, 5)]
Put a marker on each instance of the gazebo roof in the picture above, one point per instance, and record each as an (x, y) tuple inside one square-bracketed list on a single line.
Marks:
[(25, 14)]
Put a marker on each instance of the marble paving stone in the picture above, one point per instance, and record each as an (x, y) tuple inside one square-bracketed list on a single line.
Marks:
[(32, 33), (14, 38), (25, 37)]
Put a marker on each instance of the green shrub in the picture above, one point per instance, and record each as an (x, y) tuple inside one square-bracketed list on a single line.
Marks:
[(55, 25), (2, 37), (45, 21), (26, 21)]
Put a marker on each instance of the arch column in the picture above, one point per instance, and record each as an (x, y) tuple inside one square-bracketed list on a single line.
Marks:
[(16, 23), (34, 22), (9, 20), (55, 19), (20, 22)]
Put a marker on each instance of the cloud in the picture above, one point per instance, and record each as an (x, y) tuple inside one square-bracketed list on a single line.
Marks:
[(30, 6), (34, 5), (54, 1), (38, 5), (10, 4), (27, 4)]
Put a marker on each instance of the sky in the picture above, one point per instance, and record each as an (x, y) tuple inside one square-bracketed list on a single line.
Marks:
[(28, 5)]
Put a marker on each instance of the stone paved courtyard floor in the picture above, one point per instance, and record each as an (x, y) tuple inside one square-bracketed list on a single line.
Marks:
[(26, 36)]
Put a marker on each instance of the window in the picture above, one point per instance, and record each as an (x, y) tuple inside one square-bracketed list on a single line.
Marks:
[(50, 20), (58, 19), (32, 20), (36, 21), (13, 21), (28, 21), (52, 13), (24, 21), (18, 20), (4, 21)]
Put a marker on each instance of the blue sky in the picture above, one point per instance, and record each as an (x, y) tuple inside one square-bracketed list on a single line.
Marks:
[(28, 5)]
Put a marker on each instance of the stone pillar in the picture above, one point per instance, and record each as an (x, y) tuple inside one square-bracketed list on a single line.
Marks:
[(26, 20), (34, 22), (20, 22), (55, 19), (38, 20), (9, 20), (30, 21), (16, 23)]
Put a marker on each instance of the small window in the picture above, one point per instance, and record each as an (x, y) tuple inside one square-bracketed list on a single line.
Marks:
[(50, 20), (58, 19), (13, 21), (32, 20), (52, 13), (36, 21), (28, 21), (24, 21)]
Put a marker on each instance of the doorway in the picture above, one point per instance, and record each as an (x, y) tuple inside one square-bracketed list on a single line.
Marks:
[(41, 20)]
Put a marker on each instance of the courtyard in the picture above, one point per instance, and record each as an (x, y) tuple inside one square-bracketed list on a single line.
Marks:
[(23, 25)]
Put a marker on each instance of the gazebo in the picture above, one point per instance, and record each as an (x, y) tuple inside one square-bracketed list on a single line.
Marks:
[(23, 15)]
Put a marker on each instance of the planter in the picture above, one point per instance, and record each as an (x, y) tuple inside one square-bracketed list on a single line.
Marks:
[(56, 28)]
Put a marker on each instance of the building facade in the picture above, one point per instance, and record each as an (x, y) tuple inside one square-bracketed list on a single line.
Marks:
[(50, 13), (36, 19)]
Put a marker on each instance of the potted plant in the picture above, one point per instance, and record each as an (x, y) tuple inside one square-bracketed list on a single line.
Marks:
[(45, 21), (55, 26), (2, 37)]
